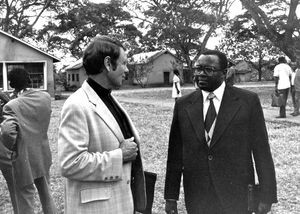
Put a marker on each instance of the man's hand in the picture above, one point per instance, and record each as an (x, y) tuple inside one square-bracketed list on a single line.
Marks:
[(9, 128), (129, 149), (264, 208), (171, 207)]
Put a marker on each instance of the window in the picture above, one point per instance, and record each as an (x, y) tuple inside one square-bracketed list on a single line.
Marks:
[(35, 70), (77, 77), (73, 77), (69, 77)]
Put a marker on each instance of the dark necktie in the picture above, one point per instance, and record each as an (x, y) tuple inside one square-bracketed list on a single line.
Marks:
[(211, 114)]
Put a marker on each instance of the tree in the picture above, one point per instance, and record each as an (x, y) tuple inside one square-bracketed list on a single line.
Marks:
[(278, 21), (20, 16), (75, 27), (141, 73), (241, 41), (182, 25)]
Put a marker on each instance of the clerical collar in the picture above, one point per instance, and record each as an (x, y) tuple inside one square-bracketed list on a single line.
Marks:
[(98, 88)]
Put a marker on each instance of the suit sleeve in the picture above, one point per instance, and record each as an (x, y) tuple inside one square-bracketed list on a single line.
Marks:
[(262, 155), (174, 160), (8, 138), (9, 128), (76, 161)]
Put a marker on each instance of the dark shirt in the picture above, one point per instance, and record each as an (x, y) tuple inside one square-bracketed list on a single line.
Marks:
[(105, 96)]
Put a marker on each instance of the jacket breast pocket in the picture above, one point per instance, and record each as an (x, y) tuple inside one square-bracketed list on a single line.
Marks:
[(95, 194)]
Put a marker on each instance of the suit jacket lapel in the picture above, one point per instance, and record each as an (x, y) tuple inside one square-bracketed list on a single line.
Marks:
[(195, 114), (229, 107), (102, 111)]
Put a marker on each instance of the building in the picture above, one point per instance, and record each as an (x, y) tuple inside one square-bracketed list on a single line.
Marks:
[(243, 72), (17, 53), (75, 74), (154, 68)]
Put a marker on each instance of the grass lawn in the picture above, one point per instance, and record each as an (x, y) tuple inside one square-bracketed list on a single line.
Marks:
[(153, 123)]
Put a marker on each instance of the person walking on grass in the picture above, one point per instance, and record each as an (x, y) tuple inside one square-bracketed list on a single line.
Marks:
[(282, 75)]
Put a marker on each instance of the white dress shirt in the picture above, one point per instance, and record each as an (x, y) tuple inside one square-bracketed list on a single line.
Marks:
[(283, 71), (217, 103)]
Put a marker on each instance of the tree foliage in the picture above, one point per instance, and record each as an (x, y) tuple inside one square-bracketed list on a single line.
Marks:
[(78, 22), (278, 21), (182, 25), (242, 42), (19, 17)]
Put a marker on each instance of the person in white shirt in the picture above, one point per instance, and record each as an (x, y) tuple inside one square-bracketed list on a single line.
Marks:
[(176, 91), (282, 75)]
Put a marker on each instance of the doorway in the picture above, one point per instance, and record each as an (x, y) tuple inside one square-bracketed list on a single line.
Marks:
[(166, 78)]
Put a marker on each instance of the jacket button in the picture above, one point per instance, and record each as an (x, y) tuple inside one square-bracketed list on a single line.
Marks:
[(210, 157)]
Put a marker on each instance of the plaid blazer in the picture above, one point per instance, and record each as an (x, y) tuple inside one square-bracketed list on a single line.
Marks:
[(97, 180)]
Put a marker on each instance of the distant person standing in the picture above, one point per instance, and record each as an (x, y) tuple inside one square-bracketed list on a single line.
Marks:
[(293, 92), (282, 75), (176, 91), (297, 90)]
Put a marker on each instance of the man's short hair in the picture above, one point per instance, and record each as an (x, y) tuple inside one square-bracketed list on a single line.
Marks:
[(19, 78), (223, 62), (281, 59), (97, 50)]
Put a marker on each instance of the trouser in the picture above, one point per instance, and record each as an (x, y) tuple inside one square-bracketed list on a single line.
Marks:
[(297, 101), (284, 93), (293, 94), (7, 173), (25, 197)]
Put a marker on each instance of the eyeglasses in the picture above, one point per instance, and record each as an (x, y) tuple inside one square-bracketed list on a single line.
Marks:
[(206, 69)]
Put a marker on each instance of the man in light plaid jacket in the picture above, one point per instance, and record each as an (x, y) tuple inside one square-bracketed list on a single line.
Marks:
[(98, 145)]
